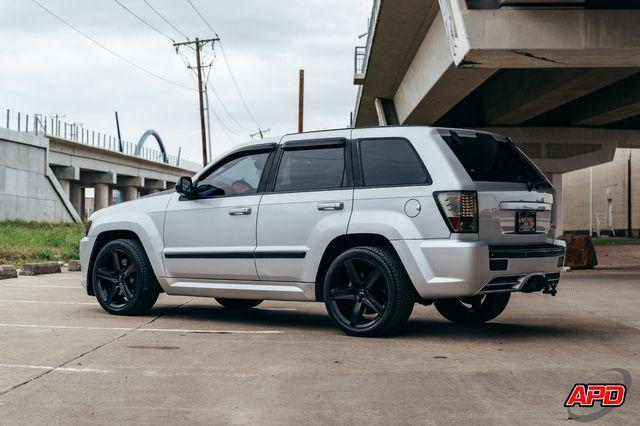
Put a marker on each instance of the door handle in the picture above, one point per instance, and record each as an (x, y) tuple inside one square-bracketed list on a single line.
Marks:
[(330, 206), (237, 211)]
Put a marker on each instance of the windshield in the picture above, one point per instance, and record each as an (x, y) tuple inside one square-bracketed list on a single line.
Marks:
[(488, 159)]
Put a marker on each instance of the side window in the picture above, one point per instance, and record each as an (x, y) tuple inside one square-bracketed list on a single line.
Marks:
[(240, 176), (313, 168), (391, 162)]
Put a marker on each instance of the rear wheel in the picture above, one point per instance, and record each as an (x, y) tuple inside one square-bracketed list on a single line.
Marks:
[(123, 279), (473, 310), (238, 303), (367, 293)]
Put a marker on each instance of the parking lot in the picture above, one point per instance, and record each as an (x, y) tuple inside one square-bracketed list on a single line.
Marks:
[(62, 359)]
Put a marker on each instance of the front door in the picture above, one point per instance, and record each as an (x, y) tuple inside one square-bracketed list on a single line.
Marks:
[(307, 206), (213, 235)]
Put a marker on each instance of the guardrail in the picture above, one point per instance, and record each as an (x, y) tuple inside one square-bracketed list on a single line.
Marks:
[(75, 132)]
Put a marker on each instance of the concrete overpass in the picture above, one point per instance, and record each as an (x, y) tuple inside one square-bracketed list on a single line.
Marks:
[(44, 178), (562, 78)]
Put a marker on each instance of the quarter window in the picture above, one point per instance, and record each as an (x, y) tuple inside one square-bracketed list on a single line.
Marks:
[(308, 169), (391, 162)]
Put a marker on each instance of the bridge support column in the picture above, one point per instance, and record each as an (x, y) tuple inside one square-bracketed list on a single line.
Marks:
[(129, 187), (65, 175), (76, 196), (101, 182), (101, 199), (152, 186)]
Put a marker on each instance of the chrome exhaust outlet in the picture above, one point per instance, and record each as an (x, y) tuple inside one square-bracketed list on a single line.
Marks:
[(534, 283)]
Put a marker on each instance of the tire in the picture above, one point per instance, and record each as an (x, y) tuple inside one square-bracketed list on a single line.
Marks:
[(367, 292), (128, 288), (481, 309), (239, 303)]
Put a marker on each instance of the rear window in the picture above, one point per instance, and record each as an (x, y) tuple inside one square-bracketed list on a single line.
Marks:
[(391, 162), (309, 169), (487, 159)]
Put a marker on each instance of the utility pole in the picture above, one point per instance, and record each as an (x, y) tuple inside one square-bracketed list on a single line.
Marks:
[(301, 103), (198, 48), (260, 133)]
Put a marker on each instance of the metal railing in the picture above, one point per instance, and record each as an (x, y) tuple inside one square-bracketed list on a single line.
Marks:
[(75, 132), (359, 56)]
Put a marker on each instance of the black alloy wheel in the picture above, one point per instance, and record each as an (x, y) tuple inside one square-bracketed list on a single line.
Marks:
[(123, 280), (367, 293)]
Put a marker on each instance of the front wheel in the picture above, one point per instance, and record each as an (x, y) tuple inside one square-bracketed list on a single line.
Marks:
[(367, 293), (473, 310), (123, 279), (238, 303)]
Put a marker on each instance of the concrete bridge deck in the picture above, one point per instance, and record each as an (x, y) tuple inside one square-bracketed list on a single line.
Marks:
[(45, 178)]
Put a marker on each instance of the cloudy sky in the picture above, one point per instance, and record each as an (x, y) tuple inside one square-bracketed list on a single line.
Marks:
[(48, 68)]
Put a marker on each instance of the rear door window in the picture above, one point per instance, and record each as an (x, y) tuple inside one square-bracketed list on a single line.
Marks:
[(391, 162), (311, 169), (488, 159)]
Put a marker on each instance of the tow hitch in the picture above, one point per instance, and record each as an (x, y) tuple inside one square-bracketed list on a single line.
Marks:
[(550, 288)]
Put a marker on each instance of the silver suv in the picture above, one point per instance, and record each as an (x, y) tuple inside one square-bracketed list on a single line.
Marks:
[(369, 221)]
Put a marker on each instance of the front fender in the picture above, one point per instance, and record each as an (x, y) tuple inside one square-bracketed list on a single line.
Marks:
[(147, 226)]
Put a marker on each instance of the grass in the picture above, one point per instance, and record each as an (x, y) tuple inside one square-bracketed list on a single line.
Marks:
[(25, 242), (615, 241)]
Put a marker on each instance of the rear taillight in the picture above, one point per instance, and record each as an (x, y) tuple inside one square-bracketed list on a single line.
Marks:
[(459, 209)]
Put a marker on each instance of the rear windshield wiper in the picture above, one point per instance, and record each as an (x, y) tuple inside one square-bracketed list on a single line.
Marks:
[(535, 184)]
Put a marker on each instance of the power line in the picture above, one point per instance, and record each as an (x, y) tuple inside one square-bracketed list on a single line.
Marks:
[(166, 20), (226, 61), (122, 58), (226, 109), (235, 84), (144, 22), (203, 19)]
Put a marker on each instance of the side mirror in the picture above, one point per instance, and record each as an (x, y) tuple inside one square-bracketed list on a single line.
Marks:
[(185, 186)]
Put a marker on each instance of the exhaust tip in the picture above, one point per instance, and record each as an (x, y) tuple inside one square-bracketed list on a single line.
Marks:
[(534, 284)]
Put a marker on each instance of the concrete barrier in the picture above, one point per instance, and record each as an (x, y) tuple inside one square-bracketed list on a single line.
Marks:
[(8, 271), (74, 265), (31, 269)]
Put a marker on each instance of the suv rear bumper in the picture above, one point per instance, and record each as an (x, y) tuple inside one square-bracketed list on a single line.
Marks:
[(441, 269)]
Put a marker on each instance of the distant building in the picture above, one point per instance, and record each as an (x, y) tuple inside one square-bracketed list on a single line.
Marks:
[(606, 184)]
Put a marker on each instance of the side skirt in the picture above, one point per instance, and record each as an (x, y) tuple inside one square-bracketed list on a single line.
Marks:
[(232, 289)]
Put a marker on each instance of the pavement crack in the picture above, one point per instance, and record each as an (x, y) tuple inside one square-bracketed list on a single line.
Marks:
[(85, 353)]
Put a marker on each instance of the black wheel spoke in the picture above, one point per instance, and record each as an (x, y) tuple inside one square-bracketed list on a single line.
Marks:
[(353, 273), (372, 303), (127, 272), (372, 279), (343, 294), (126, 292), (116, 261), (111, 294), (356, 314), (106, 274)]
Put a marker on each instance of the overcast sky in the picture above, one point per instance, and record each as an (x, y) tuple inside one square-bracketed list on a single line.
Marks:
[(47, 68)]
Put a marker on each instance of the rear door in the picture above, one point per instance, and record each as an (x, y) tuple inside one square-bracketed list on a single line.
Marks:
[(307, 205), (515, 200)]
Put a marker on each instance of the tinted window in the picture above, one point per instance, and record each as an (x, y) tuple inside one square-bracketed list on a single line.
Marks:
[(237, 177), (316, 168), (487, 159), (391, 162)]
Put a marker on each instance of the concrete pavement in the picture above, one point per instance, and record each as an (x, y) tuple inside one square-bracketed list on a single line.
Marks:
[(63, 360)]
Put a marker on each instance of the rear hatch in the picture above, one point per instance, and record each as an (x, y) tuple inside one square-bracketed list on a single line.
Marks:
[(515, 200)]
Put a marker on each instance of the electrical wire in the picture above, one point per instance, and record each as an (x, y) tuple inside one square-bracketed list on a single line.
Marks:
[(144, 22), (117, 55), (202, 17), (166, 20), (226, 61)]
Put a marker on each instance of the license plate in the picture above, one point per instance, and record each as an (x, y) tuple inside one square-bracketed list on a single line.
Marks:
[(525, 222)]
